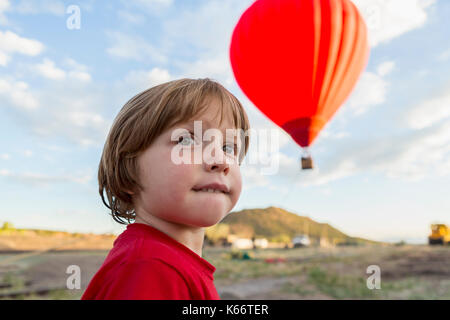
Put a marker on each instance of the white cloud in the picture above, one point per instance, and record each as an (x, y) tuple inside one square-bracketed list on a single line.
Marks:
[(151, 4), (77, 70), (429, 112), (371, 89), (252, 178), (424, 153), (70, 63), (130, 17), (11, 43), (423, 72), (40, 180), (4, 59), (147, 7), (207, 26), (4, 6), (133, 47), (54, 148), (385, 68), (72, 111), (444, 56), (328, 134), (39, 7), (47, 69), (288, 166), (185, 31), (214, 67), (27, 153), (17, 93), (68, 109), (80, 75), (318, 176), (142, 79), (159, 2), (411, 156), (85, 119), (387, 19), (5, 156)]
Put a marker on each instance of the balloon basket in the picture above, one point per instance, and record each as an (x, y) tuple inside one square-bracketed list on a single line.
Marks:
[(306, 159), (307, 163)]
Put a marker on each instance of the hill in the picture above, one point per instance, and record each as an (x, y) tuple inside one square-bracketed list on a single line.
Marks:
[(13, 239), (275, 224), (280, 225)]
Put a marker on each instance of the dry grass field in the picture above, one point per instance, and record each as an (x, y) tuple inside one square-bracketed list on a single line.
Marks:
[(407, 272)]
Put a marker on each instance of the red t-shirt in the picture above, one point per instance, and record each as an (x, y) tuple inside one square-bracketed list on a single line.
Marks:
[(146, 263)]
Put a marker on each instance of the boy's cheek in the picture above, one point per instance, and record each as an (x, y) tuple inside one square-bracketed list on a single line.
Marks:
[(237, 186)]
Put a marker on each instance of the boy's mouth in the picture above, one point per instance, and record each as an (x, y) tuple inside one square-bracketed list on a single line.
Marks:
[(210, 191), (212, 188)]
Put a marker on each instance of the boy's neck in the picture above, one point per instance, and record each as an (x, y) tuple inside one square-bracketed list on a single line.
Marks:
[(191, 237)]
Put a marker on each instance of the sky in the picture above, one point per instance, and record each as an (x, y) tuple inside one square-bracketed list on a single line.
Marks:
[(382, 162)]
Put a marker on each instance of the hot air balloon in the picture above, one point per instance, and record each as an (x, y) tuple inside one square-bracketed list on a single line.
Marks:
[(298, 61)]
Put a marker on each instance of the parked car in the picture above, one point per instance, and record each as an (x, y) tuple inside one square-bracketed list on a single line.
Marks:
[(301, 241)]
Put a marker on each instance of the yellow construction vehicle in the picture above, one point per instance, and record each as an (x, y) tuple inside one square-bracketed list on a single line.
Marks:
[(440, 234)]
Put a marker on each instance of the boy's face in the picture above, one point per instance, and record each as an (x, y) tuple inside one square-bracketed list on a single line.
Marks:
[(170, 189)]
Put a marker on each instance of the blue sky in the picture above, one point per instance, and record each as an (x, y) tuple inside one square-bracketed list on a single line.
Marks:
[(382, 162)]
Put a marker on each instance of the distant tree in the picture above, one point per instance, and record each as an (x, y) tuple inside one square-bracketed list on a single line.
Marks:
[(242, 230), (217, 232), (7, 226), (281, 238)]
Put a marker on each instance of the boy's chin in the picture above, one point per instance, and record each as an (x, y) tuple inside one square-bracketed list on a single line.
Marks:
[(204, 223)]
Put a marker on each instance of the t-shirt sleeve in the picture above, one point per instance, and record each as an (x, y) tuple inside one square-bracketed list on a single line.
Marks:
[(148, 280)]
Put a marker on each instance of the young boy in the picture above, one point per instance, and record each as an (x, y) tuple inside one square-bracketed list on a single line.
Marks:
[(159, 256)]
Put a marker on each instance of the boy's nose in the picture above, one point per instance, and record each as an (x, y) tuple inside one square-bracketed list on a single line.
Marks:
[(216, 162), (216, 166)]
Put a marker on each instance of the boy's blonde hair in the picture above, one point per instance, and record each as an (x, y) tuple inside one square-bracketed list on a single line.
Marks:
[(141, 120)]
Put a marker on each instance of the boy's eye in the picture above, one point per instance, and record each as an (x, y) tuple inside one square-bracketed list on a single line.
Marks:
[(230, 148), (186, 140)]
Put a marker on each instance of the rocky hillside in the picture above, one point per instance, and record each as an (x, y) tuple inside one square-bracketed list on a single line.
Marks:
[(275, 224), (279, 225)]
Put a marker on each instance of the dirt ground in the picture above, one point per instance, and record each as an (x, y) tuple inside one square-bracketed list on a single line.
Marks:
[(407, 272)]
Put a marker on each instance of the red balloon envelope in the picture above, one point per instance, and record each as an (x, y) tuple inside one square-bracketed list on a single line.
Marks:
[(298, 60)]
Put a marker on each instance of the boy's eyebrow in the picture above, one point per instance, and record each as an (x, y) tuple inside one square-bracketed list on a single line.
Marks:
[(190, 124), (202, 120), (208, 124)]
